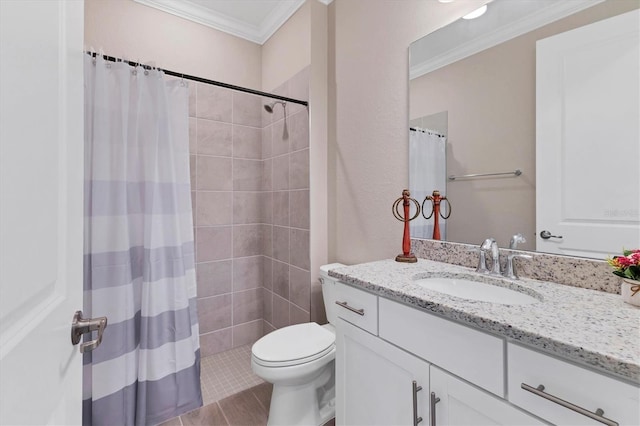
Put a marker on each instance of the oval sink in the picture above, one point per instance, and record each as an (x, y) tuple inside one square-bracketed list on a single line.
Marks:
[(475, 290)]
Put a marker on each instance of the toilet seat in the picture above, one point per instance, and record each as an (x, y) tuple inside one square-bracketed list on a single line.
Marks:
[(293, 345)]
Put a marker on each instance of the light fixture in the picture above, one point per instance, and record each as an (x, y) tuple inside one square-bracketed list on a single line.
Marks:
[(446, 1), (476, 13)]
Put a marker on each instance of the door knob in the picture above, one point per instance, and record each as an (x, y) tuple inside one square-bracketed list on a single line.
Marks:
[(545, 235), (80, 326)]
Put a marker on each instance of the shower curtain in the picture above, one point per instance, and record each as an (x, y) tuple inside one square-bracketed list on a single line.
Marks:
[(139, 247), (427, 171)]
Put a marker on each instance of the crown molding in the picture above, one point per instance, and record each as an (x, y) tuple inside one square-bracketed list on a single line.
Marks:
[(514, 29), (196, 13)]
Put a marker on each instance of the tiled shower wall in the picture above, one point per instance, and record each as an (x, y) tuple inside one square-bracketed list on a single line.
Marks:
[(250, 194)]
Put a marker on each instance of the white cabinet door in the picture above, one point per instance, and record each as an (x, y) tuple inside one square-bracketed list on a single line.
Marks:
[(41, 178), (588, 138), (462, 404), (374, 381)]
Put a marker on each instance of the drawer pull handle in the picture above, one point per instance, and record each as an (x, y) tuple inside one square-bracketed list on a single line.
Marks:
[(597, 416), (416, 389), (346, 306), (433, 401)]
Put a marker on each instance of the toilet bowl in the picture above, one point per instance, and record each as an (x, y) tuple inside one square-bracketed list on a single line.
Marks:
[(299, 361)]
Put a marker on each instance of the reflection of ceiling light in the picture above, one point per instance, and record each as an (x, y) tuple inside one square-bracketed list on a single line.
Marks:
[(476, 13), (445, 1)]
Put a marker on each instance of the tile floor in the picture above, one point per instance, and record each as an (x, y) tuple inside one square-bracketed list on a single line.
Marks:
[(232, 395)]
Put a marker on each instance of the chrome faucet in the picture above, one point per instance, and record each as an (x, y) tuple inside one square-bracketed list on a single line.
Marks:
[(515, 240), (510, 271), (489, 244)]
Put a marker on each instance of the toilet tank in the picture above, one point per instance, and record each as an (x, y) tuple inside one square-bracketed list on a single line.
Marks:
[(329, 290)]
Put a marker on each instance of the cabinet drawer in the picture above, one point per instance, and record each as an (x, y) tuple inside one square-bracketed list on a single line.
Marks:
[(476, 356), (576, 385), (357, 307)]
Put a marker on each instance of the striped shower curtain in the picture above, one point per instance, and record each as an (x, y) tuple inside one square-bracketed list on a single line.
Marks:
[(139, 247)]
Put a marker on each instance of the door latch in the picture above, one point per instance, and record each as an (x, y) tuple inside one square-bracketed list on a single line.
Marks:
[(80, 326)]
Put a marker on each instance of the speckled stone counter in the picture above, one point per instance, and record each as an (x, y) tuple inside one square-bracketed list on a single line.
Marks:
[(589, 327)]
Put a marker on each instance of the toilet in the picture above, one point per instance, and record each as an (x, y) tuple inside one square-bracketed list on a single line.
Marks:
[(299, 361)]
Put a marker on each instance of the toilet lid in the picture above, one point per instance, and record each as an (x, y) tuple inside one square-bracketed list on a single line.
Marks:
[(294, 344)]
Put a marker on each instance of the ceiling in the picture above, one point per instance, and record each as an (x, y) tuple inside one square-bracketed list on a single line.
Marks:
[(253, 20)]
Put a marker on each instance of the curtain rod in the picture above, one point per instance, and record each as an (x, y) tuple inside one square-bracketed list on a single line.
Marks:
[(415, 129), (204, 80)]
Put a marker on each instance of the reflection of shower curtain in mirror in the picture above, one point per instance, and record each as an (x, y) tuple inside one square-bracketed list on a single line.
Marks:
[(427, 171)]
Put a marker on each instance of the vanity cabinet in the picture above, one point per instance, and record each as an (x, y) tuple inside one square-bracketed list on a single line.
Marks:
[(477, 376), (374, 381)]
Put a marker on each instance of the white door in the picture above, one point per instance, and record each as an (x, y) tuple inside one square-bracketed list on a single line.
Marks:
[(41, 184), (374, 381), (461, 404), (588, 138)]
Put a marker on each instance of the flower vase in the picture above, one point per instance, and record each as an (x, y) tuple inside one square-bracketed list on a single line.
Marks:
[(630, 290)]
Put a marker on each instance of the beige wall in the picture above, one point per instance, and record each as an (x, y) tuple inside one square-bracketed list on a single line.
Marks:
[(368, 153), (288, 50), (127, 29), (490, 99)]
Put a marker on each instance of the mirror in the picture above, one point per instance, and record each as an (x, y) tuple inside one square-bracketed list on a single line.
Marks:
[(473, 84)]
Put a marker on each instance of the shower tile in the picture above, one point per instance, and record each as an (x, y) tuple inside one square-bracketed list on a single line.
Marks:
[(247, 109), (281, 279), (300, 248), (246, 240), (267, 328), (266, 207), (280, 312), (266, 140), (213, 278), (214, 138), (247, 207), (193, 135), (192, 170), (214, 208), (281, 208), (300, 287), (267, 272), (247, 333), (247, 306), (267, 305), (247, 175), (210, 414), (194, 205), (214, 342), (172, 422), (266, 239), (299, 209), (280, 141), (266, 117), (299, 169), (213, 243), (267, 175), (299, 130), (213, 103), (297, 315), (247, 142), (318, 313), (214, 313), (281, 172), (281, 243), (247, 273), (213, 173)]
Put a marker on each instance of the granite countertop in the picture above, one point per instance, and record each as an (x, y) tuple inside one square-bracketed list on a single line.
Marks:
[(589, 327)]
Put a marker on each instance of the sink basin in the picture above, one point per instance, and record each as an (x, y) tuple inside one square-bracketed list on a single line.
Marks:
[(475, 290)]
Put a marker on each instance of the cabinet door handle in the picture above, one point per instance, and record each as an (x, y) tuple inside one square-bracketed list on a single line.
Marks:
[(346, 306), (597, 415), (416, 389), (433, 400)]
